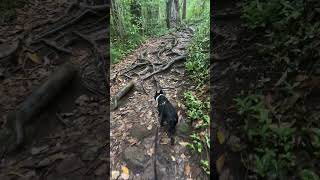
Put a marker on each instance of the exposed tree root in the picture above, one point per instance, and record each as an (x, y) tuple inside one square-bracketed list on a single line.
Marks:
[(122, 93), (168, 65), (39, 99), (54, 46), (55, 30)]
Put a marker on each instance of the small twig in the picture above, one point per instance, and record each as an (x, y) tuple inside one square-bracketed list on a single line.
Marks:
[(61, 120)]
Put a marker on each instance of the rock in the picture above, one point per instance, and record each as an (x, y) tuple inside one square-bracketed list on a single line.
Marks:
[(183, 129), (140, 132), (135, 158)]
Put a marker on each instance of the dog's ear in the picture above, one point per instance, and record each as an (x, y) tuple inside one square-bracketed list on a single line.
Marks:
[(156, 94), (161, 92)]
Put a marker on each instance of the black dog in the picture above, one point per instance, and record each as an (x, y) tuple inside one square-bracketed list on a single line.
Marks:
[(167, 114)]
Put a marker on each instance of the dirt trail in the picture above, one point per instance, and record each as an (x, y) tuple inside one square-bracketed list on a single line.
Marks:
[(133, 124), (68, 139)]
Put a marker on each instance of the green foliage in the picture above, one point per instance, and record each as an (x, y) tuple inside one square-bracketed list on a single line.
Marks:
[(197, 67), (274, 152), (291, 38), (197, 113), (205, 166), (289, 34), (263, 13), (308, 175), (197, 64), (197, 10)]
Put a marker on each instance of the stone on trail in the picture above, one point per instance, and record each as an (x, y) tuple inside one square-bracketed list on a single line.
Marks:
[(140, 132), (135, 158)]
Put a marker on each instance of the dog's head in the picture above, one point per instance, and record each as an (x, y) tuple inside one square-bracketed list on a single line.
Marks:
[(158, 93)]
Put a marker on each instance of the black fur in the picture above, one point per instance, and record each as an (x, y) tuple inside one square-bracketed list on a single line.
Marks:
[(167, 114)]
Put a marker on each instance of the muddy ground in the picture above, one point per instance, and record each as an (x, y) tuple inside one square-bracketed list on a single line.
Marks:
[(134, 122), (68, 139)]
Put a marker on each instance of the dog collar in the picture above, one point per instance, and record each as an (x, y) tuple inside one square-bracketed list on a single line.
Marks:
[(158, 97)]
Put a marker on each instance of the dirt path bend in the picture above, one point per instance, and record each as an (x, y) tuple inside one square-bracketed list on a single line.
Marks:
[(133, 123)]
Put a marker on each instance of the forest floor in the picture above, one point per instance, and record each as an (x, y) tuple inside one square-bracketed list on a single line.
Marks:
[(134, 122), (280, 112), (67, 139)]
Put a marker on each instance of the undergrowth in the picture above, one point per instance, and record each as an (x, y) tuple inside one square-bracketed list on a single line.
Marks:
[(197, 64), (197, 112), (281, 126), (197, 68)]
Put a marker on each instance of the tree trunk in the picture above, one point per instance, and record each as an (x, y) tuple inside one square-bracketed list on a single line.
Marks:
[(177, 14), (116, 13), (168, 8), (172, 13), (184, 9)]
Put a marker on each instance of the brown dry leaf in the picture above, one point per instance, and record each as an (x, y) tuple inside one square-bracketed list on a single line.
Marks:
[(220, 163), (187, 170), (182, 143), (132, 141), (220, 136), (33, 57)]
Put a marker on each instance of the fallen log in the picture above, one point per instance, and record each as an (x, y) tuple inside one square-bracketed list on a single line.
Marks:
[(39, 99), (122, 93)]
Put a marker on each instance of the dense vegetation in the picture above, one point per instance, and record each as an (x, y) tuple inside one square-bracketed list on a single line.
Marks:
[(282, 125), (197, 100), (132, 22)]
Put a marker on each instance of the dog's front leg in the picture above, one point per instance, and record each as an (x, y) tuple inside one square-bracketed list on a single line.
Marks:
[(161, 119)]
